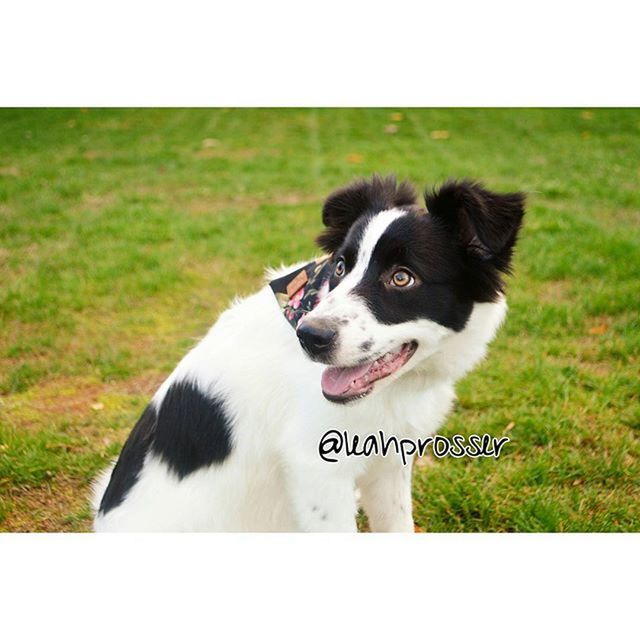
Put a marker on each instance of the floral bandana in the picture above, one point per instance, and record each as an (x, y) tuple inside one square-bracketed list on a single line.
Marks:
[(300, 291)]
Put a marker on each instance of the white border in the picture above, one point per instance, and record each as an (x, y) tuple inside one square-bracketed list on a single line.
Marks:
[(329, 53), (322, 54), (319, 586)]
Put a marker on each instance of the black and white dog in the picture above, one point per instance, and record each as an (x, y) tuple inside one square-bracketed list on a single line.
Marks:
[(372, 337)]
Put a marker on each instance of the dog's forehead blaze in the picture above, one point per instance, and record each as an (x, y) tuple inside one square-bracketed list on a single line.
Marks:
[(364, 236), (403, 236), (400, 238)]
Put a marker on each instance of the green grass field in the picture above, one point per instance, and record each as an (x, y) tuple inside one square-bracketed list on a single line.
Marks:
[(123, 233)]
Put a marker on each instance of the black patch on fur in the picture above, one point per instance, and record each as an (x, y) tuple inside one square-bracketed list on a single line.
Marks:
[(344, 206), (193, 430), (190, 430), (125, 473), (458, 252)]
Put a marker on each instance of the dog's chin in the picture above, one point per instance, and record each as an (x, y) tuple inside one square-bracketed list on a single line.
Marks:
[(349, 384)]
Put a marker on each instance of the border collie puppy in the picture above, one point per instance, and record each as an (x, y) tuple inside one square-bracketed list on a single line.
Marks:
[(371, 337)]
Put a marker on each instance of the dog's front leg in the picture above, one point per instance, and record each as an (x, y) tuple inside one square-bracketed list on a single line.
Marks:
[(322, 501), (385, 495)]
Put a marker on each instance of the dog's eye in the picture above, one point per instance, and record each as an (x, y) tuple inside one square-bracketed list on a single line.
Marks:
[(402, 278), (340, 269)]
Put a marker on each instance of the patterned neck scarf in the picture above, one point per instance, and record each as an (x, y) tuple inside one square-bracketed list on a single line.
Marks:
[(301, 290)]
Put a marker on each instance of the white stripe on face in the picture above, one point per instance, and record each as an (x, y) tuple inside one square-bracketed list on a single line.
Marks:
[(376, 227)]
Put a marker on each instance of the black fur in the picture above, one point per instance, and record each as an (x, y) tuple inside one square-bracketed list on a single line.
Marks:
[(191, 430), (125, 473), (344, 206), (419, 244), (486, 224)]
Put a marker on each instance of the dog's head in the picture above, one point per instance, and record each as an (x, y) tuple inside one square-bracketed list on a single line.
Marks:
[(404, 277)]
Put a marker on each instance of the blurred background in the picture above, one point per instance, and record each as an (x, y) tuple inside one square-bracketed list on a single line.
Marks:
[(123, 233)]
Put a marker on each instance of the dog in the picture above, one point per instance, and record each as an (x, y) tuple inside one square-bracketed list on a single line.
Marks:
[(372, 336)]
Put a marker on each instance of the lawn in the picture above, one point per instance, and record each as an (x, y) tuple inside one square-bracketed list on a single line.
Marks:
[(123, 233)]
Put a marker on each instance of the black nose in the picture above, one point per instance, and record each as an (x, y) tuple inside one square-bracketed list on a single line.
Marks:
[(316, 339)]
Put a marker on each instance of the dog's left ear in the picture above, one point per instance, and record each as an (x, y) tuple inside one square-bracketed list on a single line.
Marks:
[(344, 206), (486, 224)]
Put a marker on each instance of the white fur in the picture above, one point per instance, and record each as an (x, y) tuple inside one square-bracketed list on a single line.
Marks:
[(274, 479)]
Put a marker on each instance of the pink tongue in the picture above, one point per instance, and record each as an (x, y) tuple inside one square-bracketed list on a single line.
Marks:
[(336, 381)]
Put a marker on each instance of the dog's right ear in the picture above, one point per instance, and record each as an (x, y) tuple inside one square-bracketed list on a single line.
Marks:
[(344, 206)]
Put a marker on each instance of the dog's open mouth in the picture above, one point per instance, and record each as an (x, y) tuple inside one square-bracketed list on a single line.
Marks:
[(344, 384)]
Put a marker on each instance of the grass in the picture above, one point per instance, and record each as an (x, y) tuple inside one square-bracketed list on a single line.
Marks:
[(123, 233)]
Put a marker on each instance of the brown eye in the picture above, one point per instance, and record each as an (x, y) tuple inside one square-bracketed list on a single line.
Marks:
[(402, 278), (340, 269)]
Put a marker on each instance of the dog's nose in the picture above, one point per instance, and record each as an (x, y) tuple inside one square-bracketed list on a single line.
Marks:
[(316, 339)]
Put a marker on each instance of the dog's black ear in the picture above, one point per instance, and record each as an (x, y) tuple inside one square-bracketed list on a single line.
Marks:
[(486, 224), (344, 206)]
